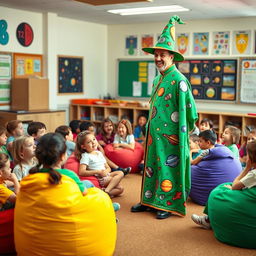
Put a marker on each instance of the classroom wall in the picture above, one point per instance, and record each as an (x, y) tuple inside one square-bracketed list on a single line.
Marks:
[(116, 44), (54, 35)]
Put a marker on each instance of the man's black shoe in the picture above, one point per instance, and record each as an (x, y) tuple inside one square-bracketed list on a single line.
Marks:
[(139, 208), (163, 215)]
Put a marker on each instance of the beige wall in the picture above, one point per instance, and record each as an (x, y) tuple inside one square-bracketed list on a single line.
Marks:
[(116, 44)]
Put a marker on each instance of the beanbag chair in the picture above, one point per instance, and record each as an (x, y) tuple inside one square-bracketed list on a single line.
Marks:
[(232, 215), (125, 157), (6, 232), (72, 164), (218, 167), (59, 220)]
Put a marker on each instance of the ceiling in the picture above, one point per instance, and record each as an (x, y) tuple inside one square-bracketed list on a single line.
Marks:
[(200, 9)]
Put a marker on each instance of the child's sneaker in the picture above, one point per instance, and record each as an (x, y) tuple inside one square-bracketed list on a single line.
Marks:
[(201, 220), (116, 206), (126, 170)]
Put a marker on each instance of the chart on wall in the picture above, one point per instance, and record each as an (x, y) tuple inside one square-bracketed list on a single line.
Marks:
[(211, 79)]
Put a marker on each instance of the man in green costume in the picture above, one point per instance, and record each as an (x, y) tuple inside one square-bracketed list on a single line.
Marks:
[(166, 179)]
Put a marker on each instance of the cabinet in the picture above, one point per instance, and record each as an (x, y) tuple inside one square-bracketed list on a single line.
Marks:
[(52, 119), (96, 113)]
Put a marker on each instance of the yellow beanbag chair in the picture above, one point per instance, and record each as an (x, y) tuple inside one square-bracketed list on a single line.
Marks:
[(59, 220)]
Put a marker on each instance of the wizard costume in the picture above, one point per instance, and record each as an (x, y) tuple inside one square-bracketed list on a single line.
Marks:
[(166, 179)]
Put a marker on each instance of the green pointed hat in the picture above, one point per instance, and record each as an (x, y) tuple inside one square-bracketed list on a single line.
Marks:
[(167, 39)]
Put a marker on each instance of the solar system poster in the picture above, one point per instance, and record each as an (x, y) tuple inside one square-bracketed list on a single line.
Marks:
[(211, 79), (70, 74)]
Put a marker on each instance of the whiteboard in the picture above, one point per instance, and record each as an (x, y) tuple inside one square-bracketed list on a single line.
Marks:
[(248, 80)]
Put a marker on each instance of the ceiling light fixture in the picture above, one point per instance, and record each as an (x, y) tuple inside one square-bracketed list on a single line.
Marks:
[(149, 10)]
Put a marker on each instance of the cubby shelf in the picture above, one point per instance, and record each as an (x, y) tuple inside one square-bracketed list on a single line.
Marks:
[(96, 113)]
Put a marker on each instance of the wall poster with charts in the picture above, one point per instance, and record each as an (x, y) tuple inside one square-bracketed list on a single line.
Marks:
[(27, 65), (211, 79), (248, 78), (70, 74)]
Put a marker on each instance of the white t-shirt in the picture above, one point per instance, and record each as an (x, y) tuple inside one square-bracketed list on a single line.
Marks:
[(23, 171), (94, 161), (249, 180), (128, 140)]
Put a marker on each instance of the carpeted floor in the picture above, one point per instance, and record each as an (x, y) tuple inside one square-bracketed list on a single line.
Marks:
[(142, 234)]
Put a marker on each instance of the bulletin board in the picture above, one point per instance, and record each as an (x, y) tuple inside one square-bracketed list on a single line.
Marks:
[(135, 78), (211, 79), (5, 77), (70, 75), (27, 65), (247, 80)]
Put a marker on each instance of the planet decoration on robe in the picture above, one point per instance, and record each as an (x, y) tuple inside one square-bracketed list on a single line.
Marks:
[(183, 86), (175, 117), (154, 111), (148, 194), (150, 140), (172, 161), (166, 185), (173, 139), (160, 92), (149, 171)]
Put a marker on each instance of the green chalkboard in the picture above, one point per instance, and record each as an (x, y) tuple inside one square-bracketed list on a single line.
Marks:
[(135, 77)]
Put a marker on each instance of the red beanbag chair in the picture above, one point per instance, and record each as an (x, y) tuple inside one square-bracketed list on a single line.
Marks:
[(6, 232), (125, 157), (72, 164)]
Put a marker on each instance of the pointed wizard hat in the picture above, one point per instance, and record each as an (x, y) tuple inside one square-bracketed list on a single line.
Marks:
[(167, 39)]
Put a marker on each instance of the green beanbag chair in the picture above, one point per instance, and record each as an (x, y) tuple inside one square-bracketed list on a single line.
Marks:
[(232, 214)]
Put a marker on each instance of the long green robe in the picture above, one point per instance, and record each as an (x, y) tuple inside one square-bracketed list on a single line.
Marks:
[(166, 179)]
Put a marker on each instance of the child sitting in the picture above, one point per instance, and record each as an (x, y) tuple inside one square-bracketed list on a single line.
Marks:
[(124, 137), (194, 146), (3, 139), (138, 134), (36, 130), (205, 124), (88, 126), (14, 129), (51, 155), (251, 136), (107, 133), (207, 140), (23, 152), (93, 162), (245, 180), (230, 138), (66, 132), (74, 125), (7, 197)]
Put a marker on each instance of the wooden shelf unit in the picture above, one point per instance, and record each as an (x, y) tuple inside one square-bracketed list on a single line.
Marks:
[(96, 113), (51, 118)]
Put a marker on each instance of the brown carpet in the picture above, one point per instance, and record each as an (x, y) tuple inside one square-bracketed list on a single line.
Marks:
[(142, 234)]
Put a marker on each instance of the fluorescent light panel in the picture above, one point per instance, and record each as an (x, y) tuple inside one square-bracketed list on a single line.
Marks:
[(149, 10)]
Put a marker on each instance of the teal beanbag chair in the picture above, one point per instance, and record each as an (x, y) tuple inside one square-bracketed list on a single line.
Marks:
[(232, 214)]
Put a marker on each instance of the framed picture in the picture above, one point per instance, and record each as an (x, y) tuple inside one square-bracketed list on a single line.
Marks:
[(70, 74), (5, 77), (27, 65), (131, 45), (201, 43), (242, 42)]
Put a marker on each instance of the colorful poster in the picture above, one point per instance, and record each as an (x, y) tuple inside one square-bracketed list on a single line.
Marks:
[(5, 77), (131, 45), (221, 41), (211, 79), (29, 67), (241, 42), (4, 91), (248, 78), (146, 41), (183, 43), (201, 43), (70, 74)]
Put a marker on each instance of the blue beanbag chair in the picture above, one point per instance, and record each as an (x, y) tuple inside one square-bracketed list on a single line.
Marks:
[(218, 167), (232, 215)]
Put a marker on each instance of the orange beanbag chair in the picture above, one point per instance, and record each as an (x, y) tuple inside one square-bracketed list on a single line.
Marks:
[(72, 164), (58, 220), (6, 232), (125, 157)]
